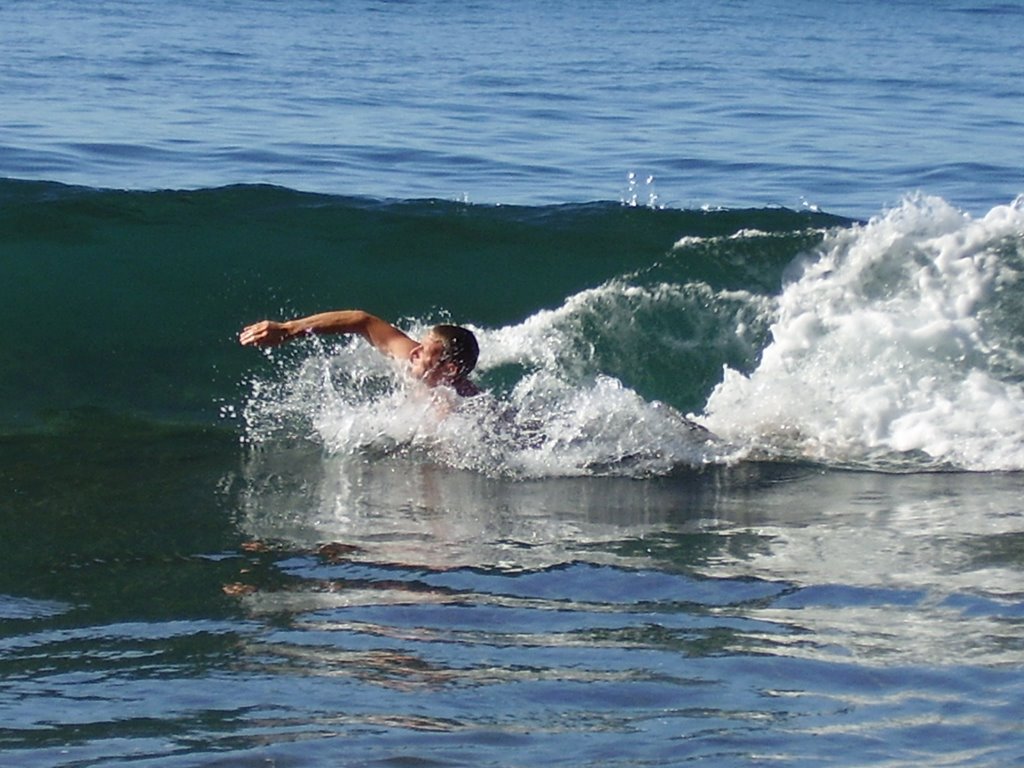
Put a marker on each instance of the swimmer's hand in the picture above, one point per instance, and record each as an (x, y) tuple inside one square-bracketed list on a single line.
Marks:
[(266, 333)]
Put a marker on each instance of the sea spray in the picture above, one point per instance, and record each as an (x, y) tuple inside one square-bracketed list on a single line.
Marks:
[(897, 345), (547, 426)]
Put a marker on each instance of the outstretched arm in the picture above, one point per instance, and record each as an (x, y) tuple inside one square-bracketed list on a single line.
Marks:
[(380, 333)]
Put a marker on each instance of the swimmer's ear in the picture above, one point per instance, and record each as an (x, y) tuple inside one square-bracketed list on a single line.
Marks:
[(451, 371)]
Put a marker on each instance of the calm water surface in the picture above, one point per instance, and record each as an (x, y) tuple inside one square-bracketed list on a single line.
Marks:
[(846, 107)]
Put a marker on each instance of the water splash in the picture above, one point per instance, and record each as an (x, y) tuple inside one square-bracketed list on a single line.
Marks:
[(555, 418), (895, 344), (899, 344), (640, 192)]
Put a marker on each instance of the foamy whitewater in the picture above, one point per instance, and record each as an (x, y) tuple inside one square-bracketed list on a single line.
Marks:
[(895, 344), (355, 404)]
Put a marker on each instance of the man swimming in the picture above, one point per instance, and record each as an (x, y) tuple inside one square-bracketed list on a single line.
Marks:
[(444, 357)]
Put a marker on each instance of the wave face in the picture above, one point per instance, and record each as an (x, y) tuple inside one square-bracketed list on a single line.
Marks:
[(615, 339)]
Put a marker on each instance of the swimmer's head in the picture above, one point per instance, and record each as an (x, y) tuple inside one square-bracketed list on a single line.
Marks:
[(445, 356), (460, 347)]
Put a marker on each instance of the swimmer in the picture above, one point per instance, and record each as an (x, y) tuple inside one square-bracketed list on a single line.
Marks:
[(444, 357)]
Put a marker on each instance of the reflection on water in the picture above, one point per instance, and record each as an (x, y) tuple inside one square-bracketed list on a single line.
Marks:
[(883, 568), (322, 611), (426, 515), (728, 613)]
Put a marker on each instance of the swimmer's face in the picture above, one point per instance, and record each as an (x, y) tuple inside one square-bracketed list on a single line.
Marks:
[(426, 361)]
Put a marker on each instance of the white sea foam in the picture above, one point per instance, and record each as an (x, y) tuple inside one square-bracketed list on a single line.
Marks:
[(897, 342), (556, 417), (546, 427)]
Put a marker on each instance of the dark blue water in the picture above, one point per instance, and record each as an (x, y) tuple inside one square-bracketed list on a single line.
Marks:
[(847, 107), (212, 556)]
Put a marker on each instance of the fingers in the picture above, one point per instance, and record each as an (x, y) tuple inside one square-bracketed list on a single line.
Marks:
[(259, 334), (247, 337)]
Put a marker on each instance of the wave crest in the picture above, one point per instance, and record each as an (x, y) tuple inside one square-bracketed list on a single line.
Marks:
[(899, 343)]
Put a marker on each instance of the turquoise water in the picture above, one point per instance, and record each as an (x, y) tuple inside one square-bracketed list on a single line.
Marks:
[(744, 486)]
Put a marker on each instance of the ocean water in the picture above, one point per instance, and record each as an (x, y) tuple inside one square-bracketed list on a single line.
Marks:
[(738, 104), (744, 486)]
